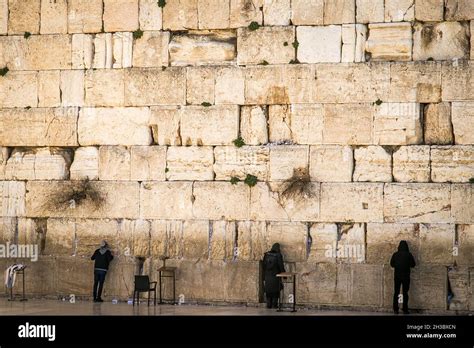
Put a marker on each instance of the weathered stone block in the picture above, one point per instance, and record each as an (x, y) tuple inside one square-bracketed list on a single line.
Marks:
[(463, 121), (165, 124), (372, 163), (180, 15), (428, 287), (23, 16), (252, 240), (101, 126), (285, 161), (72, 88), (222, 240), (304, 12), (166, 200), (354, 37), (82, 51), (53, 17), (438, 129), (243, 12), (166, 238), (348, 124), (151, 49), (399, 10), (319, 44), (149, 86), (465, 254), (452, 163), (370, 11), (56, 47), (196, 239), (60, 237), (202, 48), (3, 17), (38, 127), (104, 87), (351, 202), (87, 239), (398, 124), (213, 14), (457, 81), (190, 163), (412, 164), (148, 163), (85, 16), (12, 195), (230, 86), (102, 199), (441, 41), (221, 200), (276, 12), (459, 10), (429, 10), (49, 92), (436, 243), (323, 239), (231, 161), (462, 203), (292, 237), (331, 163), (4, 154), (19, 89), (280, 125), (367, 285), (390, 41), (200, 85), (266, 44), (85, 164), (120, 15), (253, 125), (114, 163), (425, 203), (150, 15), (350, 245), (339, 11)]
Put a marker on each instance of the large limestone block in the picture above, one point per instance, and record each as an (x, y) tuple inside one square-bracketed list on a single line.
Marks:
[(9, 228), (458, 81), (49, 92), (111, 50), (304, 12), (229, 86), (82, 47), (38, 127), (180, 15), (280, 124), (370, 11), (323, 239), (104, 87), (53, 17), (276, 12), (243, 12), (253, 125), (414, 82), (463, 122), (252, 241), (85, 164), (19, 89), (429, 10), (3, 17), (72, 88), (412, 164), (438, 129), (286, 161), (23, 16), (214, 14), (441, 41), (465, 251), (196, 235), (151, 50), (148, 163), (166, 200), (114, 163), (12, 195), (4, 154), (190, 163), (350, 245), (165, 124), (82, 199), (462, 203), (459, 10), (221, 200), (215, 125), (120, 279), (200, 85), (60, 237), (42, 278), (292, 237), (114, 126), (348, 124), (74, 273), (399, 10), (390, 41), (222, 240), (85, 16), (203, 48), (87, 239), (120, 15), (149, 86), (57, 49), (398, 124), (122, 49), (166, 238), (231, 161), (383, 240), (266, 44), (372, 163), (452, 163), (331, 163), (351, 202), (339, 11), (354, 37), (428, 287), (319, 44), (367, 285), (150, 15), (436, 243), (38, 164), (293, 201), (425, 203)]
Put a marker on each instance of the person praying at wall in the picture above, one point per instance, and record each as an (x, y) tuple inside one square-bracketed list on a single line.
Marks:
[(272, 265), (102, 258), (402, 261)]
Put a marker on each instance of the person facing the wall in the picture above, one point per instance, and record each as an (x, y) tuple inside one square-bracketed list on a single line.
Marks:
[(102, 258), (272, 265), (402, 261)]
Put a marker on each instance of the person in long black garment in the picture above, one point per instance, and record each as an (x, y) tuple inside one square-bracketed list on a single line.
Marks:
[(272, 265), (402, 261)]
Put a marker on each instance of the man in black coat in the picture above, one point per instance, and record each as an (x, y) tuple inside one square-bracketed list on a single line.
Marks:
[(102, 258), (402, 261), (272, 265)]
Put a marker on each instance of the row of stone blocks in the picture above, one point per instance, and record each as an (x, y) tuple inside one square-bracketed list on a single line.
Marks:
[(94, 16), (326, 202), (283, 163)]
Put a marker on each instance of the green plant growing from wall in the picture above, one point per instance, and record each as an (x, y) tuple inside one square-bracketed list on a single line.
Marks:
[(137, 34), (294, 61), (4, 71), (251, 180), (239, 142), (234, 180), (253, 26), (471, 180), (263, 62), (167, 170), (378, 102), (161, 3), (206, 104), (27, 34), (295, 44), (285, 43)]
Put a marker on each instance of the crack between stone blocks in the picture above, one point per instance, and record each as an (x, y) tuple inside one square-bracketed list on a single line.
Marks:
[(235, 249), (209, 240), (408, 9)]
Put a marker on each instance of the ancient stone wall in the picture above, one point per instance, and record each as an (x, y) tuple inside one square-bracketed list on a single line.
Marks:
[(206, 130)]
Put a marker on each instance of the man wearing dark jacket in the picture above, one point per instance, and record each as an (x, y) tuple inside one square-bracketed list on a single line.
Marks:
[(272, 265), (402, 261), (102, 258)]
